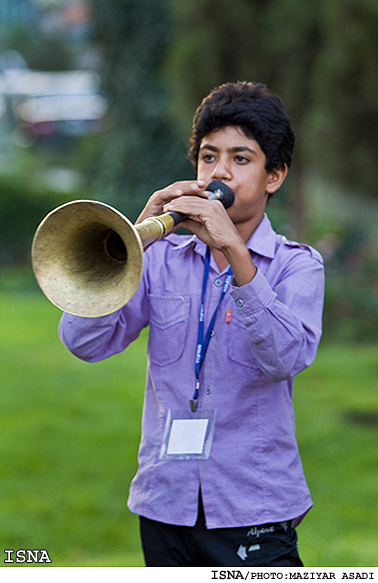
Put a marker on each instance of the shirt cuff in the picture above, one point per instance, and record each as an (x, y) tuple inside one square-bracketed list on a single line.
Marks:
[(253, 296)]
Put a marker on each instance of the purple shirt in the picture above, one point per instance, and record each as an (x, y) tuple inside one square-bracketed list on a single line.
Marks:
[(254, 474)]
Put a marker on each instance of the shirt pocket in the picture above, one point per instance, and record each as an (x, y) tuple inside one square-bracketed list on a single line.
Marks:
[(169, 320), (239, 345)]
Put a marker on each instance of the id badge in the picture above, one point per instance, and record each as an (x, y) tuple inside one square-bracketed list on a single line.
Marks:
[(188, 435)]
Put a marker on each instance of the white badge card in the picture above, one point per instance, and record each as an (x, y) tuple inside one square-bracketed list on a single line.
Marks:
[(188, 435)]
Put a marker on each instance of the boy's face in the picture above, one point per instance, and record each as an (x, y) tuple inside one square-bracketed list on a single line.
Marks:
[(229, 155)]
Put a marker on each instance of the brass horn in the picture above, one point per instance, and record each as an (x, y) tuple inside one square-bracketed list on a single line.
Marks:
[(87, 257)]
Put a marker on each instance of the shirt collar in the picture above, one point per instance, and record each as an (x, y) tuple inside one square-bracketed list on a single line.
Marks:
[(261, 242)]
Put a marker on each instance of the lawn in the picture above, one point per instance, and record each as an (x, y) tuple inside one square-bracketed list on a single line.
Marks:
[(70, 432)]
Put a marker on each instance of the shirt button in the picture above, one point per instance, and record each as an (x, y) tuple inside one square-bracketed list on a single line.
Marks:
[(218, 282), (212, 333), (239, 303), (208, 390)]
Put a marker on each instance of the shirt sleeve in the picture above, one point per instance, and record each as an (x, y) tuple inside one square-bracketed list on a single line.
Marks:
[(94, 339), (284, 321)]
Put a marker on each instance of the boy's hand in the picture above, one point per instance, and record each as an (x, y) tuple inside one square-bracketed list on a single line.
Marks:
[(158, 199), (209, 220)]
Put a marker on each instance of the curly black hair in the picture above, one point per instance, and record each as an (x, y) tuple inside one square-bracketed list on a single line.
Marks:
[(256, 110)]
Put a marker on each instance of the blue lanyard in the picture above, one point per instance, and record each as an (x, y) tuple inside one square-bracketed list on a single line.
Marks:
[(203, 340)]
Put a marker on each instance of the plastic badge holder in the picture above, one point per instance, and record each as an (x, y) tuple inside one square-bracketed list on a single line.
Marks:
[(188, 435)]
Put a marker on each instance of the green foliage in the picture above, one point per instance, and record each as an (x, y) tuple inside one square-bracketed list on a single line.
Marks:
[(214, 41), (22, 206), (345, 86), (142, 152), (43, 52), (351, 300), (70, 432), (273, 42)]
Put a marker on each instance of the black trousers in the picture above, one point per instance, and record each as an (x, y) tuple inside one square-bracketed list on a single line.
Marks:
[(267, 545)]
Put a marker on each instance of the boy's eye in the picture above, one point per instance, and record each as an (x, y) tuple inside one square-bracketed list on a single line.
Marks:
[(241, 160), (208, 157)]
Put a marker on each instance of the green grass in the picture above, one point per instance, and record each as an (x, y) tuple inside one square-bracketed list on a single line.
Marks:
[(337, 428), (69, 438), (70, 433)]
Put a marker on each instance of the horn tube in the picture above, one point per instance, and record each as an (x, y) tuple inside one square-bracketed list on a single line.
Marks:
[(87, 257)]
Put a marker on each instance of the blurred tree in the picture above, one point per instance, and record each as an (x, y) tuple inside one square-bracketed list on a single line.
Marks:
[(214, 41), (270, 41), (345, 83), (41, 52), (142, 150), (291, 38), (24, 201)]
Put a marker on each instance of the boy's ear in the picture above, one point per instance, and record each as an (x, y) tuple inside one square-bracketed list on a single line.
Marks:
[(276, 178)]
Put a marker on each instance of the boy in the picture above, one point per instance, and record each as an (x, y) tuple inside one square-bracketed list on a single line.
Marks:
[(234, 313)]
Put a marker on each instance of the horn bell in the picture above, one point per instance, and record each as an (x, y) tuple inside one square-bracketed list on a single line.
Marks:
[(87, 258)]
